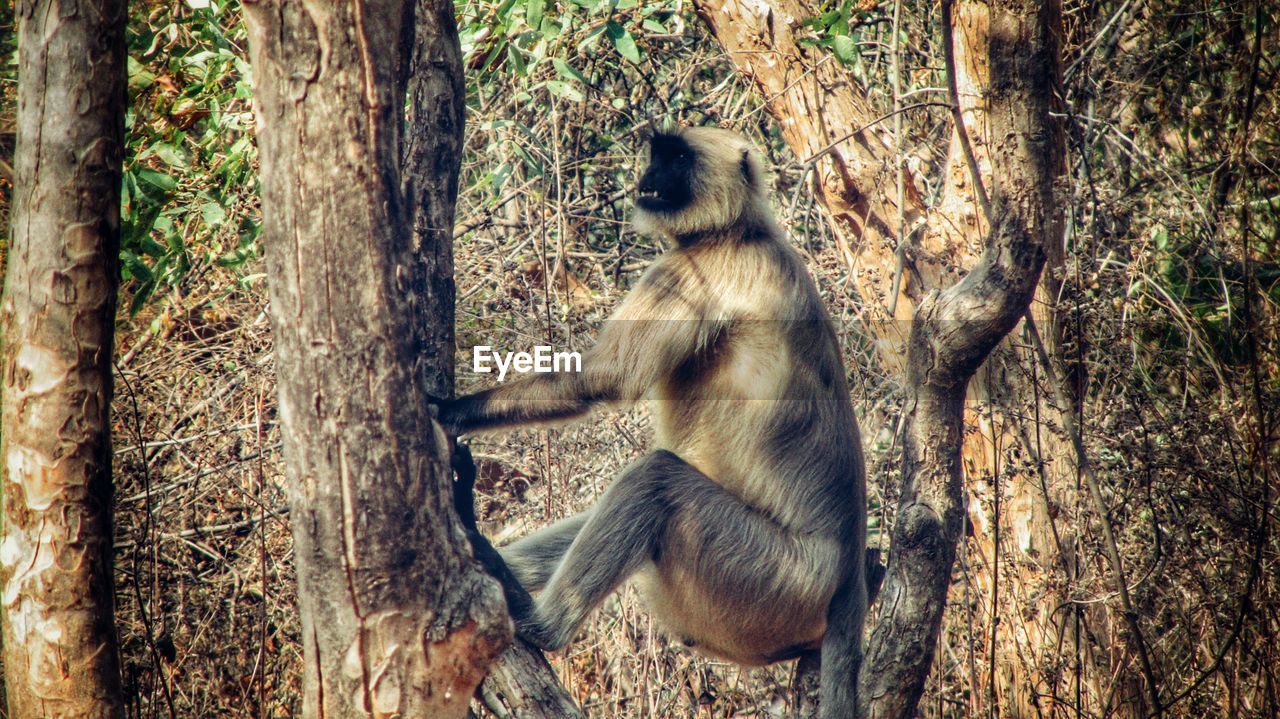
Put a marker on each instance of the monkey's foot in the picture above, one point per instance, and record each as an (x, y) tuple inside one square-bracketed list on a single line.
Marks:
[(540, 635)]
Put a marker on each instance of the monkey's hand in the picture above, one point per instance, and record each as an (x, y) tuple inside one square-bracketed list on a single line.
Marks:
[(446, 415), (519, 603)]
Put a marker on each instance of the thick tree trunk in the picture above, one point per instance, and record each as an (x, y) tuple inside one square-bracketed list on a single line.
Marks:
[(520, 682), (397, 620), (58, 320)]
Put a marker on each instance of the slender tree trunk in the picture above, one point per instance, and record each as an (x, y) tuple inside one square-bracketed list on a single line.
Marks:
[(953, 333), (397, 620), (58, 319), (432, 155), (520, 680)]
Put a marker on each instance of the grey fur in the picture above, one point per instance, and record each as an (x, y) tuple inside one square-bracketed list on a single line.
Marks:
[(533, 558), (746, 526)]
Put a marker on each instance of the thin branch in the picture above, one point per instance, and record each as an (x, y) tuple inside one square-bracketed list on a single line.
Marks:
[(915, 106), (1100, 506)]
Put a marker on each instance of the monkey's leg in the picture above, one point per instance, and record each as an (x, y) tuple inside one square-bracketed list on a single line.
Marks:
[(842, 649), (658, 499), (519, 603), (533, 558)]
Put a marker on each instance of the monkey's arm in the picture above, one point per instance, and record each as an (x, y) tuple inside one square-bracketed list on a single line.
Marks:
[(666, 319), (671, 316), (526, 399)]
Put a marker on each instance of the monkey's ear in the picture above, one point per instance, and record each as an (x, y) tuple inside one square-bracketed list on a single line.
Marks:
[(748, 174)]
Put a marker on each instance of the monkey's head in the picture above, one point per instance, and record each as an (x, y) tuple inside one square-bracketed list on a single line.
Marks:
[(699, 180)]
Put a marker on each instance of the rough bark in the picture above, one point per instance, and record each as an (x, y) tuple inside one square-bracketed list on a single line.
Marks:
[(521, 683), (397, 620), (58, 320), (432, 162), (953, 332), (1024, 566)]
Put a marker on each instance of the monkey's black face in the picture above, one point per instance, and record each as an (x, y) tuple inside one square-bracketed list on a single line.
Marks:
[(666, 184)]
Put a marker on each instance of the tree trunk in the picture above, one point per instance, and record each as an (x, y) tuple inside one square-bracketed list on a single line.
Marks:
[(760, 39), (432, 162), (953, 333), (58, 319), (397, 620), (1026, 564), (520, 680)]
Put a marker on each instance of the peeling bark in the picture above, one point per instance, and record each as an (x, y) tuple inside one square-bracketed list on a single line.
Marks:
[(397, 619), (58, 319)]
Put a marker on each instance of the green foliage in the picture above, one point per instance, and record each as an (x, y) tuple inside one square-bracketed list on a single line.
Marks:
[(526, 35), (593, 65), (8, 111), (840, 30), (1207, 233), (190, 175)]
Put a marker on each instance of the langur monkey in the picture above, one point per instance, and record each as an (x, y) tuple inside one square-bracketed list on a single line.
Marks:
[(745, 526)]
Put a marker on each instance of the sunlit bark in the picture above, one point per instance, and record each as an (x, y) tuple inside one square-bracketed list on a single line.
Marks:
[(58, 319)]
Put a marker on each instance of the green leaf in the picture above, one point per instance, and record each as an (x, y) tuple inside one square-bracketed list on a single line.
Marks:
[(151, 247), (494, 54), (135, 267), (591, 38), (567, 71), (565, 90), (845, 48), (504, 10), (157, 180), (533, 14), (517, 60), (141, 296), (213, 214), (623, 42), (140, 77), (172, 155), (498, 177)]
